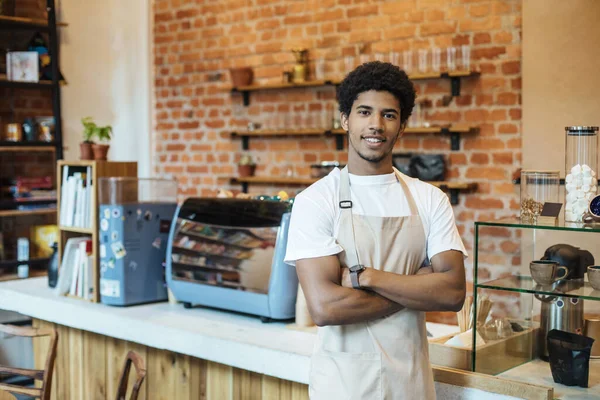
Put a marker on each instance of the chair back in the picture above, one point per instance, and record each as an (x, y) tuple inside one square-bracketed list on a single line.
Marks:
[(45, 375), (140, 374)]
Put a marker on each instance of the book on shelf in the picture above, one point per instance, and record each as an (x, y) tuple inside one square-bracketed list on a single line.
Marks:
[(75, 274), (76, 197)]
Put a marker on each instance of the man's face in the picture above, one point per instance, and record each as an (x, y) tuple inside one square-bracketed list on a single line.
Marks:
[(373, 125)]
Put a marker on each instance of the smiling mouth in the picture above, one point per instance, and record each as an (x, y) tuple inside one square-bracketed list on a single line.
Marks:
[(373, 140)]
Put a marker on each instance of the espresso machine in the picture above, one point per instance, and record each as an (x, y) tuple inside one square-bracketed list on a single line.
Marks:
[(562, 312)]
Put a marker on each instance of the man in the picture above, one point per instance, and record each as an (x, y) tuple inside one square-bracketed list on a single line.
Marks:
[(374, 249)]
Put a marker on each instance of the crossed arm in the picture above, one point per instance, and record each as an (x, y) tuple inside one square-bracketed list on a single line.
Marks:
[(332, 301)]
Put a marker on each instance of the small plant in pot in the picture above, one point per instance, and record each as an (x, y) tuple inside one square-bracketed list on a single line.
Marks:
[(103, 134), (85, 147), (246, 166)]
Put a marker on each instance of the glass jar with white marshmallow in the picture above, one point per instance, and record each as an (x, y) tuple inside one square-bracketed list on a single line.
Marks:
[(581, 166)]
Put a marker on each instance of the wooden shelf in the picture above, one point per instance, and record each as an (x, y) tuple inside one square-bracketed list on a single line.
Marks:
[(42, 84), (33, 262), (453, 130), (452, 187), (74, 229), (7, 147), (32, 274), (16, 213), (8, 22), (453, 76)]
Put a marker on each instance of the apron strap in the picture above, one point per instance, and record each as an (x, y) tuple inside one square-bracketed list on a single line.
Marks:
[(346, 210), (412, 205)]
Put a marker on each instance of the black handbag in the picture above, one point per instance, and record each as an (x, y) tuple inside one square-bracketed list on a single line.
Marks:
[(428, 167)]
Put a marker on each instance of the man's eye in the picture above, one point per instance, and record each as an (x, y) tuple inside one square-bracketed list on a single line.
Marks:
[(363, 112), (390, 116)]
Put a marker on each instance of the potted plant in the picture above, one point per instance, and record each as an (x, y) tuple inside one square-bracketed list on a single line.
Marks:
[(85, 147), (103, 134), (246, 166)]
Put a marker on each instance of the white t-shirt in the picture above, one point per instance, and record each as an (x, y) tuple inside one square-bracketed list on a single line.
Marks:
[(315, 219)]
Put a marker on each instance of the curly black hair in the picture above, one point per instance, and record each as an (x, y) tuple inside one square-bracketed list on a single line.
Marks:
[(379, 76)]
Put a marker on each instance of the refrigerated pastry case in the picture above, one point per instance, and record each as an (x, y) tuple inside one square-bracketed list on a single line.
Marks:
[(228, 254)]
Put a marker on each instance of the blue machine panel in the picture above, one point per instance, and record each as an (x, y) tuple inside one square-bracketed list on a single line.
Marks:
[(133, 243)]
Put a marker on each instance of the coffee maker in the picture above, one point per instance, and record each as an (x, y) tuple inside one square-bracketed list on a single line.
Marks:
[(562, 312)]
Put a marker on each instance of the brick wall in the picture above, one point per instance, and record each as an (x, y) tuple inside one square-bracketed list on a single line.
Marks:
[(196, 42)]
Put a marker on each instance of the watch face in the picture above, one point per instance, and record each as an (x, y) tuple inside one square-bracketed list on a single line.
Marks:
[(357, 268)]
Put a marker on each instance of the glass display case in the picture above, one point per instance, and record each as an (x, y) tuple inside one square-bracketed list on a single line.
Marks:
[(511, 339), (533, 279)]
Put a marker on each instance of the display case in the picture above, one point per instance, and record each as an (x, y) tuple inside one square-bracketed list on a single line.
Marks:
[(512, 340)]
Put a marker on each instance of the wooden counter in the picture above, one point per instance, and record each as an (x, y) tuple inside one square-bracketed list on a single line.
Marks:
[(195, 353)]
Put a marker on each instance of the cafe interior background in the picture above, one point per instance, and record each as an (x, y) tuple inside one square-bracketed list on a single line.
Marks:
[(160, 74)]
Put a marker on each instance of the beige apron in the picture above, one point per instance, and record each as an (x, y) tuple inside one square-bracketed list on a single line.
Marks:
[(387, 358)]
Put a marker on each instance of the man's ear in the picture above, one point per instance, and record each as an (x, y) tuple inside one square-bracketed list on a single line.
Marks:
[(402, 128), (344, 121)]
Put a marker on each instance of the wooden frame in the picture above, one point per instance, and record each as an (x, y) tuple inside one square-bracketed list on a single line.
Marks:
[(100, 169), (140, 372), (45, 375)]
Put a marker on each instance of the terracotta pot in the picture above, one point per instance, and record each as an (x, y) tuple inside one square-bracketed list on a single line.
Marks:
[(241, 76), (246, 170), (100, 151), (85, 151)]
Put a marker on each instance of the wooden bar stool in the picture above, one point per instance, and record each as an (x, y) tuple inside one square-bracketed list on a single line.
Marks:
[(45, 375), (140, 372)]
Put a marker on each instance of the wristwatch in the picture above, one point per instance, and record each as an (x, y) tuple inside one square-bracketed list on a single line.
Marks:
[(354, 272)]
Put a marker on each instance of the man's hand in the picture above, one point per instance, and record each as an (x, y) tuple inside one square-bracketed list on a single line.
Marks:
[(345, 281)]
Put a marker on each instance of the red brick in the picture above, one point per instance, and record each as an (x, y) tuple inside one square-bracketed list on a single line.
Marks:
[(436, 28), (507, 99), (502, 158), (503, 37), (479, 10), (476, 202), (480, 158), (480, 24), (362, 11), (456, 159), (482, 38), (511, 67), (508, 129)]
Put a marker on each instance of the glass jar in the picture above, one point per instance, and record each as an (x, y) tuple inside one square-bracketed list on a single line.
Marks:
[(581, 166), (537, 188)]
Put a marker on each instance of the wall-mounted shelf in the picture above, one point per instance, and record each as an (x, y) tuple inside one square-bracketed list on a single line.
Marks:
[(10, 23), (454, 78), (16, 213), (245, 136), (454, 188), (33, 263), (42, 84), (27, 146), (453, 130)]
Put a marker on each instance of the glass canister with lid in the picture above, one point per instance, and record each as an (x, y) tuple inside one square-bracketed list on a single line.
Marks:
[(537, 188), (581, 167)]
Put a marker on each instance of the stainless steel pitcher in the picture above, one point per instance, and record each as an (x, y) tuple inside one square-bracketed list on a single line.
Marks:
[(558, 312)]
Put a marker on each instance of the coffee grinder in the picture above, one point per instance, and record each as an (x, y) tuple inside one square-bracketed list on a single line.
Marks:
[(562, 312)]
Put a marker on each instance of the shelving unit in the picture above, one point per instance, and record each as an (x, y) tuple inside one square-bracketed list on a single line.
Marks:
[(454, 77), (454, 188), (48, 26), (502, 273), (99, 169), (455, 132)]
